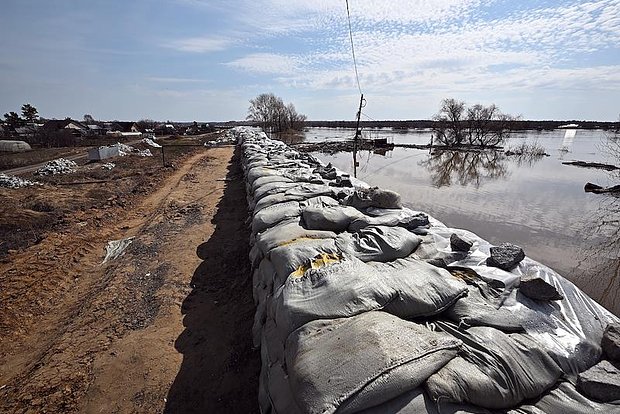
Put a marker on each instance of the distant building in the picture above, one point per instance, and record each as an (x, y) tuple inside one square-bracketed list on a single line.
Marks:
[(76, 128), (121, 126), (96, 130), (164, 129)]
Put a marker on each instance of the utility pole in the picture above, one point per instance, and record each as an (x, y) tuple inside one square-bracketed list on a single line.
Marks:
[(358, 134)]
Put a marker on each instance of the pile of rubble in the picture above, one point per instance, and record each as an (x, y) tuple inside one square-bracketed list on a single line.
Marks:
[(124, 149), (11, 181), (58, 166), (151, 143)]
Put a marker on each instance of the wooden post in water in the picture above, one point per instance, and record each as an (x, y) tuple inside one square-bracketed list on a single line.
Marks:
[(358, 134)]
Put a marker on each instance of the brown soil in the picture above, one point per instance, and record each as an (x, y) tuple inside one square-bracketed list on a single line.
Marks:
[(165, 327)]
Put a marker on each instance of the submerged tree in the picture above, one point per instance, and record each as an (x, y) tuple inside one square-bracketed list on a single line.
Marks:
[(271, 113), (480, 125), (449, 122)]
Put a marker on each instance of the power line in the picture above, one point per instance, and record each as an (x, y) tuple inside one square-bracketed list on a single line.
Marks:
[(357, 76)]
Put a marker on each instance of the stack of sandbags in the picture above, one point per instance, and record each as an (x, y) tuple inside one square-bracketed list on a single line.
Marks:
[(364, 305)]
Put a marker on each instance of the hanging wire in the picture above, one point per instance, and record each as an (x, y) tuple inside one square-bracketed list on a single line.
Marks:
[(357, 77)]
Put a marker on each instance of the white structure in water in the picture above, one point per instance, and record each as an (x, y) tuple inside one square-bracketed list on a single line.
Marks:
[(569, 136)]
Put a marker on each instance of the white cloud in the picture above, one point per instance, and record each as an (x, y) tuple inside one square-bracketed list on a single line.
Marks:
[(266, 63), (200, 44), (175, 80)]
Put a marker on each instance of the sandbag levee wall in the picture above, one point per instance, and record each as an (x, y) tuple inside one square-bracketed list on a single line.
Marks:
[(356, 310)]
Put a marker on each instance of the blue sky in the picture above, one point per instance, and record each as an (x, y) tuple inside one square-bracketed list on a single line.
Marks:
[(204, 59)]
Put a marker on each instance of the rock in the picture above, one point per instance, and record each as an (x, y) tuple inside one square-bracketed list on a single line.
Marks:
[(601, 382), (328, 172), (459, 244), (597, 189), (505, 256), (589, 187), (537, 289), (343, 180), (611, 341), (446, 259)]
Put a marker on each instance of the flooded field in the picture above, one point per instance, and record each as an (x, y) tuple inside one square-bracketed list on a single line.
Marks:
[(535, 202)]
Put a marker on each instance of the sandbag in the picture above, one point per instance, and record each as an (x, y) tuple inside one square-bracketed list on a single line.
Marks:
[(389, 217), (269, 179), (478, 309), (336, 218), (379, 243), (429, 251), (272, 188), (287, 232), (319, 202), (421, 289), (273, 199), (350, 364), (494, 370), (274, 214), (343, 288), (417, 401), (373, 197), (280, 394), (258, 172), (309, 190), (288, 258), (565, 399)]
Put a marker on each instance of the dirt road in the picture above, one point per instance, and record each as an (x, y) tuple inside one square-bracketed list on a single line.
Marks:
[(164, 328)]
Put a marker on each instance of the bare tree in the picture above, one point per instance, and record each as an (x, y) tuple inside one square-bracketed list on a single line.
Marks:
[(273, 115), (296, 119), (449, 119), (477, 125)]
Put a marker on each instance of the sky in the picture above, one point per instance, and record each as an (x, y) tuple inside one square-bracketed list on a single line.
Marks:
[(185, 60)]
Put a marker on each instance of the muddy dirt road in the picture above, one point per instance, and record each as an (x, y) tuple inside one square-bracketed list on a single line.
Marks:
[(164, 328)]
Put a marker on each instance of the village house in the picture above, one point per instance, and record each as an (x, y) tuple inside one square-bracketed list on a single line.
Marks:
[(76, 128)]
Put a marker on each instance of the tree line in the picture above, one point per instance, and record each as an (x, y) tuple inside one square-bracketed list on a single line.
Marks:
[(29, 115)]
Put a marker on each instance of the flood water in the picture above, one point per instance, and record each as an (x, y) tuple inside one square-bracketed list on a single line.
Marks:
[(536, 203)]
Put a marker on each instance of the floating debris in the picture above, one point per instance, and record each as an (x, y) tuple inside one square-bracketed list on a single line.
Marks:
[(58, 166), (11, 181)]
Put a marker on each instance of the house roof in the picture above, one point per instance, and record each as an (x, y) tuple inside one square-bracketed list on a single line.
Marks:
[(56, 124), (122, 126)]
